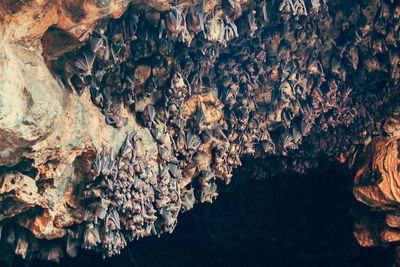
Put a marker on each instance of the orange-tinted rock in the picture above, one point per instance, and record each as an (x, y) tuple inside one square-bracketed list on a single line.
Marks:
[(390, 235), (28, 20), (211, 105), (366, 227), (393, 221), (19, 193), (377, 184), (142, 73), (42, 225), (377, 181)]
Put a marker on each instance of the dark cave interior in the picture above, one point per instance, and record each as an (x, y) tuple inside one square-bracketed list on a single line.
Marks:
[(287, 220)]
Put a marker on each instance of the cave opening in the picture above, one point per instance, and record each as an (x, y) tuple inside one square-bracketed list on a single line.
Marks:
[(285, 220)]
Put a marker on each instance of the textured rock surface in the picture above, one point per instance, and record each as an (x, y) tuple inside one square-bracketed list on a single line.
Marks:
[(24, 21), (31, 102), (50, 136), (378, 161), (45, 124), (41, 120)]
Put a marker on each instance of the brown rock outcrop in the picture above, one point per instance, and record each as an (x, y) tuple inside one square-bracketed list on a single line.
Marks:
[(376, 184), (26, 21)]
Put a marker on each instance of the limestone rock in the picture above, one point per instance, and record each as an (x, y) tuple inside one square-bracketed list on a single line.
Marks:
[(31, 101), (19, 193), (42, 120)]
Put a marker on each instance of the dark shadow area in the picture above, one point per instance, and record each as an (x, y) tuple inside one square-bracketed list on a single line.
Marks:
[(287, 220), (24, 167)]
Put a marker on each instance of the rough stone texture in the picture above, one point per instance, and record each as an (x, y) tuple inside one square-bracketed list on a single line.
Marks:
[(24, 21), (31, 101), (19, 193), (379, 160), (42, 120), (384, 165)]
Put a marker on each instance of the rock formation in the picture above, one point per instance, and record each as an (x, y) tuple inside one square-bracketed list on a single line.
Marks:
[(117, 116)]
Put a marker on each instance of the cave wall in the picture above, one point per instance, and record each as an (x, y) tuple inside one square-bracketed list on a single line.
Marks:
[(59, 133)]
